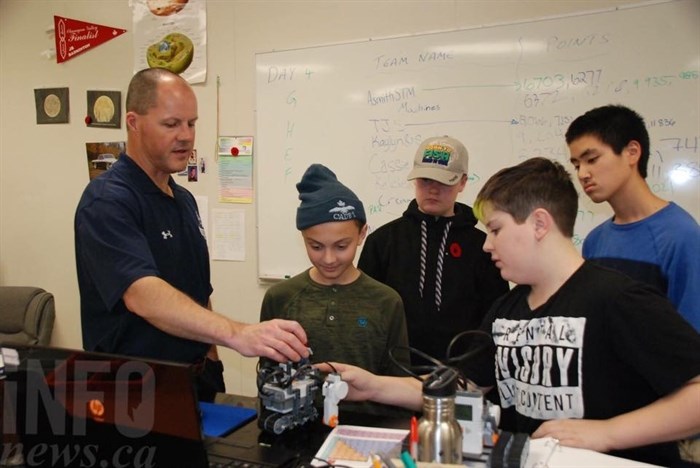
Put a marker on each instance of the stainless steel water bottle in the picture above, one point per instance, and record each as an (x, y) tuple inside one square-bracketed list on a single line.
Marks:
[(439, 433)]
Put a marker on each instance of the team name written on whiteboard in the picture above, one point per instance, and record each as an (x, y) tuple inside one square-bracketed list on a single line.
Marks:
[(389, 61)]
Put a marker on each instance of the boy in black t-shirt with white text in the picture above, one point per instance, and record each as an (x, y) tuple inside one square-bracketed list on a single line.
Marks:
[(582, 353)]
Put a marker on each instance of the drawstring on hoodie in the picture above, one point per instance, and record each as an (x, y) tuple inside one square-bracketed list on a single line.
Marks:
[(440, 260), (423, 255)]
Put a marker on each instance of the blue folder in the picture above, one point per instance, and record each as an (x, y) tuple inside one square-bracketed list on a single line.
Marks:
[(218, 420)]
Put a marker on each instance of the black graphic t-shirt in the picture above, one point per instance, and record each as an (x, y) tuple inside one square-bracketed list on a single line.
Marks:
[(601, 346), (538, 366)]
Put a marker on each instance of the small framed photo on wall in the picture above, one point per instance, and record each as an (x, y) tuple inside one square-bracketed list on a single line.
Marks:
[(104, 109), (52, 105)]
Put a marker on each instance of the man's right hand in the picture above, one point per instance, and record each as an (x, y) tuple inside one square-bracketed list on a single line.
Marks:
[(279, 340)]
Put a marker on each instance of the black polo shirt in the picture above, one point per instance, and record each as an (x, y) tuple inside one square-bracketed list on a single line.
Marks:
[(126, 228)]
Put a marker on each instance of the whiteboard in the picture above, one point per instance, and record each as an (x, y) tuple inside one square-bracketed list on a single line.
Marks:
[(508, 92)]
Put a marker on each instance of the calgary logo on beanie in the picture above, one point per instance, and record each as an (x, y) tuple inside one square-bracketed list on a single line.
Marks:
[(343, 211), (437, 154)]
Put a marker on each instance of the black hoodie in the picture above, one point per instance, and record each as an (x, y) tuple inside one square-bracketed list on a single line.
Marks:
[(436, 309)]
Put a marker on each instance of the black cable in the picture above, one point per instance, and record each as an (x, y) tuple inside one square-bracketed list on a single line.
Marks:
[(442, 377), (416, 371), (451, 362), (459, 360), (329, 464), (270, 375), (335, 371), (468, 354), (300, 371)]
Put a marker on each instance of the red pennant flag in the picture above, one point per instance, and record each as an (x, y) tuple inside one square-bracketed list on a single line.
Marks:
[(74, 37)]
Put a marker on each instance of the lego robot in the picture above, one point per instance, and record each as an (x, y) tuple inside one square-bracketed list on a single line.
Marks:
[(287, 393)]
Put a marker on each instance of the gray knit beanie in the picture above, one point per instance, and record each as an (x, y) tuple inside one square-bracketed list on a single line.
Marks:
[(324, 199)]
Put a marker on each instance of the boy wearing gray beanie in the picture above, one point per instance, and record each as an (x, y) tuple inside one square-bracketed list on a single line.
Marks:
[(347, 315)]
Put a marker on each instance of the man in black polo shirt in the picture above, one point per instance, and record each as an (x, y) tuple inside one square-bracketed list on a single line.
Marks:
[(141, 252)]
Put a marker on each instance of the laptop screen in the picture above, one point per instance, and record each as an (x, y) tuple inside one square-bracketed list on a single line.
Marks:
[(65, 407)]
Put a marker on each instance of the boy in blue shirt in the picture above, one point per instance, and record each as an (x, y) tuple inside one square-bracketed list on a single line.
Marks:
[(648, 238)]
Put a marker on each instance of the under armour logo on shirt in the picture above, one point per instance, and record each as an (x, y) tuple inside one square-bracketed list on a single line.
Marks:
[(166, 234)]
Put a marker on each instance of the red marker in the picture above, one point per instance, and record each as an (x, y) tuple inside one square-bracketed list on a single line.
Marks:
[(234, 151), (413, 440)]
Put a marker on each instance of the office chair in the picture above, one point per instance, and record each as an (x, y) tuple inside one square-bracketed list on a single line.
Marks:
[(27, 315)]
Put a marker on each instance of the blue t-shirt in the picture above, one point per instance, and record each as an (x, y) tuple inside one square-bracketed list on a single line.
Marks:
[(662, 250), (126, 228)]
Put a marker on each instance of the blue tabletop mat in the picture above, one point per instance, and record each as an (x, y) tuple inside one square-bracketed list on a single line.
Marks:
[(218, 419)]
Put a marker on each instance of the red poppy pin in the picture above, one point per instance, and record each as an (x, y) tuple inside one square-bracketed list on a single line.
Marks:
[(455, 250)]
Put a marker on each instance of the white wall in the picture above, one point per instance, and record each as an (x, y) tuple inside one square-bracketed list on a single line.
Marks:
[(42, 167)]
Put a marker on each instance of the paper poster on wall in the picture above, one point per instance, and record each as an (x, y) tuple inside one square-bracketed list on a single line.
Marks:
[(102, 155), (74, 37), (171, 34), (236, 169), (228, 235), (51, 105)]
